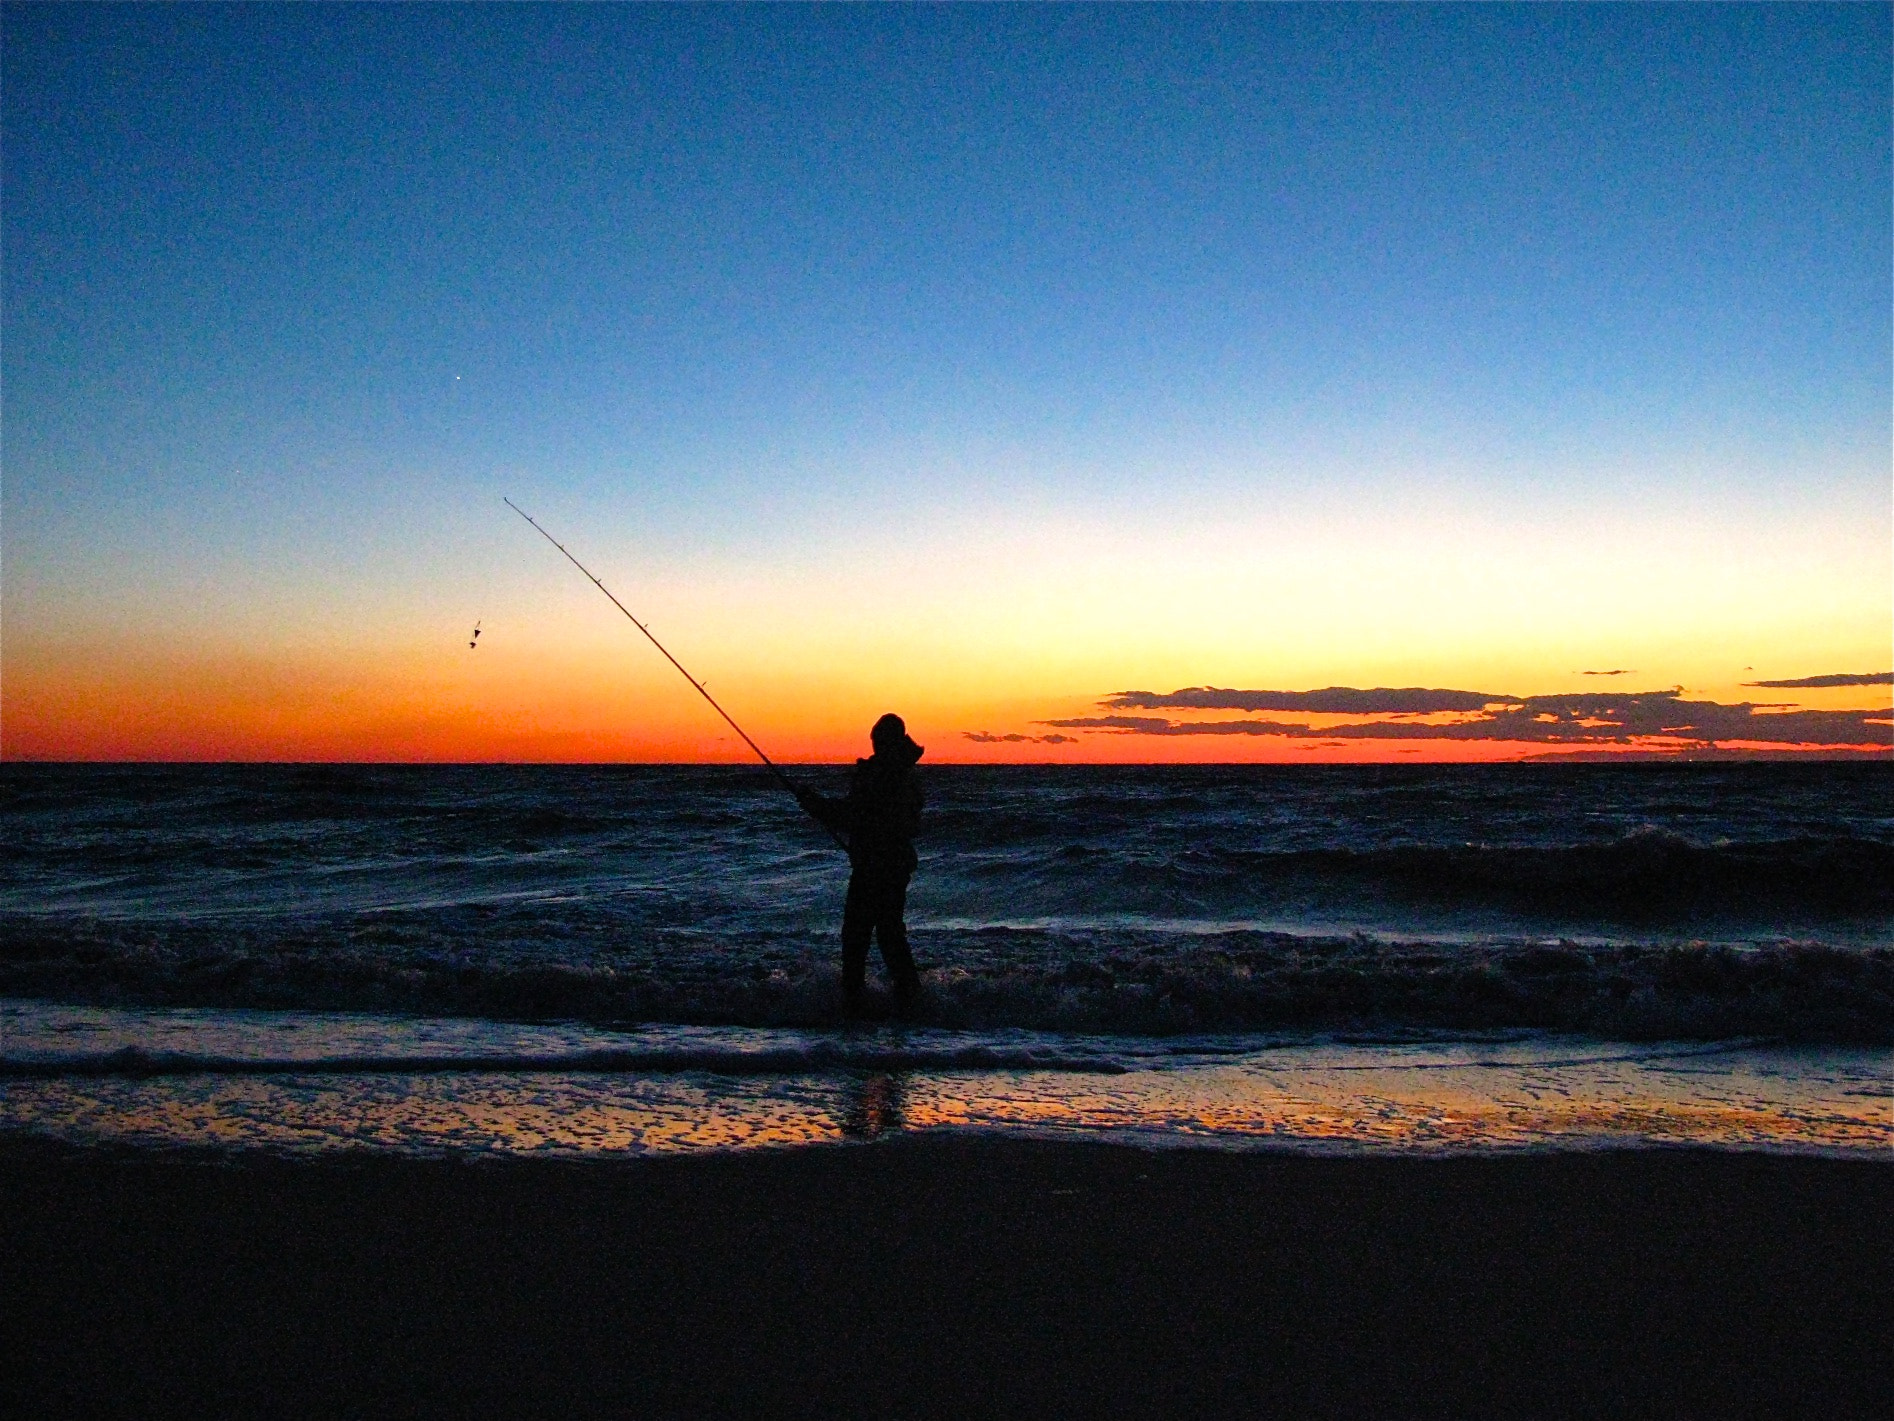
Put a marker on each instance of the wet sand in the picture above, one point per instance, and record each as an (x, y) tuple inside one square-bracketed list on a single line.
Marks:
[(948, 1277)]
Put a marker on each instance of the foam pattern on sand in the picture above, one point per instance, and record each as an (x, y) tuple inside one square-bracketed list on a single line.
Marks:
[(305, 1081)]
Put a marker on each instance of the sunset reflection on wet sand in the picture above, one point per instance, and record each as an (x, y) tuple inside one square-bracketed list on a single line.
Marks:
[(1526, 1095)]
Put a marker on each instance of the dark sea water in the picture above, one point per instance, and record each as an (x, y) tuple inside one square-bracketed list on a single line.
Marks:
[(180, 929)]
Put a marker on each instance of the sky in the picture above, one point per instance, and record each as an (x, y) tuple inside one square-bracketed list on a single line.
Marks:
[(1085, 384)]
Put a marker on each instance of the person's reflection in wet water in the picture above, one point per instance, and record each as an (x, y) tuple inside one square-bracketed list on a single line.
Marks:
[(879, 816), (874, 1106)]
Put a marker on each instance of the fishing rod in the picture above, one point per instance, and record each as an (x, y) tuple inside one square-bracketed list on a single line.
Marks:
[(774, 769)]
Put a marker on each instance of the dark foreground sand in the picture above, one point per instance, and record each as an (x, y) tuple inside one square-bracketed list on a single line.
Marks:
[(949, 1277)]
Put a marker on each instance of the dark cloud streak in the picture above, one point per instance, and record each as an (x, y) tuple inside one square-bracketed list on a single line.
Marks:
[(1814, 683), (1331, 700), (1585, 718)]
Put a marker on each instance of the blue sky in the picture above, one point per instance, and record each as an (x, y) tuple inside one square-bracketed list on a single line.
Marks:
[(291, 294)]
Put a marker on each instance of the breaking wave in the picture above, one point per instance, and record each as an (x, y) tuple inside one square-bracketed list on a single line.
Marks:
[(808, 1057), (1129, 981)]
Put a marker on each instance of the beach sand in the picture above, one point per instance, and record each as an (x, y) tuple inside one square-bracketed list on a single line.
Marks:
[(917, 1277)]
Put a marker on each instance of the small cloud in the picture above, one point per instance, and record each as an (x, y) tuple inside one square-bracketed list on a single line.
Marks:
[(1135, 724), (983, 737), (1814, 683), (1619, 671)]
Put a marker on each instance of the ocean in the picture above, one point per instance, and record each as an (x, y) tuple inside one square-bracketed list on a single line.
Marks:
[(644, 959)]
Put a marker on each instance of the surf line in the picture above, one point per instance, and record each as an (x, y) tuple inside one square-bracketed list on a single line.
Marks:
[(136, 1063), (772, 766)]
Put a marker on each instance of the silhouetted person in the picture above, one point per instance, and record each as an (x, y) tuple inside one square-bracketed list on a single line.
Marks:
[(879, 817)]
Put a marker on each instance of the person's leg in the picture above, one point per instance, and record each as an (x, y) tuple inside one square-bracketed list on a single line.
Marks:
[(891, 933), (858, 923)]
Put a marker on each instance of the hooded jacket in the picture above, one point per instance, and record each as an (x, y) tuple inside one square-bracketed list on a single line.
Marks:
[(881, 813)]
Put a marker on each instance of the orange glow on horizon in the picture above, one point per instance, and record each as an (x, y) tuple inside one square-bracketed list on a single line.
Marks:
[(263, 717), (994, 626), (573, 687)]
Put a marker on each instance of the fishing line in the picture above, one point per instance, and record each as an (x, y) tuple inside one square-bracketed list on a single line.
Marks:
[(787, 783)]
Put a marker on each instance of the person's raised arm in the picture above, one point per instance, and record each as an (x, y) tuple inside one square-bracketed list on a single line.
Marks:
[(832, 813)]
